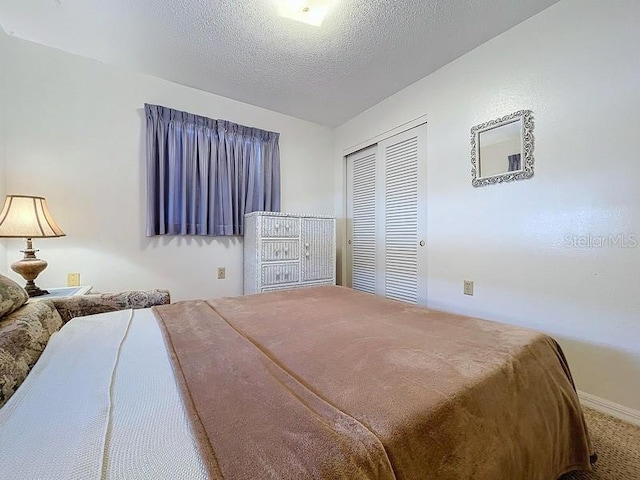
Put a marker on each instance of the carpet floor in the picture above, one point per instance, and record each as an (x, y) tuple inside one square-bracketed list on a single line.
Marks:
[(617, 444)]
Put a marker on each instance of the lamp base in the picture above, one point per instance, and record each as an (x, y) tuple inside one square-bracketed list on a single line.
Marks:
[(29, 267), (33, 290)]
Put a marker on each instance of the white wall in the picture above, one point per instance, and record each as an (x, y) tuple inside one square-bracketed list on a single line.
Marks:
[(3, 174), (494, 159), (75, 136), (577, 66)]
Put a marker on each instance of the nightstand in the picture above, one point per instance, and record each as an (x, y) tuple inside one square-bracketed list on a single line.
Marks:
[(63, 292)]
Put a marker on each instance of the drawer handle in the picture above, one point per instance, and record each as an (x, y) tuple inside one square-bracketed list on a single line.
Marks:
[(287, 227), (277, 226), (307, 254), (306, 244), (286, 250)]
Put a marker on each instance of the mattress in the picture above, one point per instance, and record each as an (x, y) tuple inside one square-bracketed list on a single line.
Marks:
[(327, 382), (315, 383)]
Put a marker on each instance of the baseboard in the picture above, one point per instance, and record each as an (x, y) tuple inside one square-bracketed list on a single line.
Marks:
[(610, 408)]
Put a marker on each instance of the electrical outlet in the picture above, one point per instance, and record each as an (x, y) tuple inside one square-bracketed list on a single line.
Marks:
[(222, 273), (468, 287), (73, 279)]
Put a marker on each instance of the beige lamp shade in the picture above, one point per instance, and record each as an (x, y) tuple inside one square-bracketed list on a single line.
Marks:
[(27, 217)]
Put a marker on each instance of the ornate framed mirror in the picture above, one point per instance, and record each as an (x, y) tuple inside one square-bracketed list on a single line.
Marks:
[(502, 149)]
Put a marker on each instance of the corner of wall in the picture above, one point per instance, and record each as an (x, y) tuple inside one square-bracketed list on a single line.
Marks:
[(3, 173)]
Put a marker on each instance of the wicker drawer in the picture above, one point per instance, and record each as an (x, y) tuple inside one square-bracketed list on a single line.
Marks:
[(278, 273), (280, 250), (280, 227), (294, 287)]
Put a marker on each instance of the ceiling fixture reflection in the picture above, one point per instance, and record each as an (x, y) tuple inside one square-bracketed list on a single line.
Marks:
[(311, 12)]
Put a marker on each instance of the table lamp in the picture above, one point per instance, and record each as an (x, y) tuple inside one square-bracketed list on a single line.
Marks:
[(28, 217)]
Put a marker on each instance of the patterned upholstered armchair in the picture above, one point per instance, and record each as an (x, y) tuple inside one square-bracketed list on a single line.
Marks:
[(25, 328)]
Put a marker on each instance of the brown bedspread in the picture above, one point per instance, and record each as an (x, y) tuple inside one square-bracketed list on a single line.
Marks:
[(329, 383)]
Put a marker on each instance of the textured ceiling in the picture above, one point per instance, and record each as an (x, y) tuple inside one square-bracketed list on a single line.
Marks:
[(365, 50)]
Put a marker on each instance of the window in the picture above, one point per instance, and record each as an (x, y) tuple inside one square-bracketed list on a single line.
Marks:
[(203, 175)]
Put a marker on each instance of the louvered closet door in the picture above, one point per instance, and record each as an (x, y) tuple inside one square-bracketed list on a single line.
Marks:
[(403, 215), (387, 218), (361, 221)]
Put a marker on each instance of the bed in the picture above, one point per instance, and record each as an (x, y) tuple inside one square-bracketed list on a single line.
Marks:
[(319, 383)]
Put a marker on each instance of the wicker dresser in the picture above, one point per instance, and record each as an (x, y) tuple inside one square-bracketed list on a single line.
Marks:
[(284, 251)]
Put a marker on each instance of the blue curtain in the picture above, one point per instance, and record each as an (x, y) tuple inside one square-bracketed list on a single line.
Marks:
[(203, 175)]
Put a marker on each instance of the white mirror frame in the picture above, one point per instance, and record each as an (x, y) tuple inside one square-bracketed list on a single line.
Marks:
[(527, 149)]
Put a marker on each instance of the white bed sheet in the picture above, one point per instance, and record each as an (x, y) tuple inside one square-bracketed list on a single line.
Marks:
[(101, 403)]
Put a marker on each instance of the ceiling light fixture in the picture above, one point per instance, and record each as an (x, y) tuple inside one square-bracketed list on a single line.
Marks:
[(311, 12)]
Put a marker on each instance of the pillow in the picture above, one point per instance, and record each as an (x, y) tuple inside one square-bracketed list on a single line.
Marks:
[(12, 296), (23, 336)]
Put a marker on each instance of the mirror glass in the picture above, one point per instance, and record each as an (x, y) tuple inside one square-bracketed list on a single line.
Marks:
[(502, 149)]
